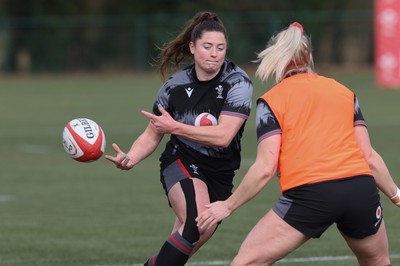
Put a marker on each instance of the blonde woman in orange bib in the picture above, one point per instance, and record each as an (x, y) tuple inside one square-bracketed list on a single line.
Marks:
[(312, 135)]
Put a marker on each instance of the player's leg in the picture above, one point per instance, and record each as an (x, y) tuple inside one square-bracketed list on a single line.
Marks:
[(176, 250), (371, 250), (182, 204), (270, 240), (202, 199), (187, 198), (362, 223)]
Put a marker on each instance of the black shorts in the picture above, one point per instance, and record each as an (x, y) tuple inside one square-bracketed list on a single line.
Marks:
[(181, 169), (352, 203), (176, 166)]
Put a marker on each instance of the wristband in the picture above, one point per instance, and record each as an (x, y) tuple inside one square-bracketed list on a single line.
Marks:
[(396, 198)]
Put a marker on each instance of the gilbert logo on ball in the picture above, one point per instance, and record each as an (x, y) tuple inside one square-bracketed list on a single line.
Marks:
[(205, 119), (84, 140)]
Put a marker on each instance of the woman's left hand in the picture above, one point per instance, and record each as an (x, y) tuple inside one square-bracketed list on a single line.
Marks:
[(215, 212), (164, 124)]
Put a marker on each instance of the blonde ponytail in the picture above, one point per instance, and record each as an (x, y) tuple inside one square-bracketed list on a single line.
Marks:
[(287, 52)]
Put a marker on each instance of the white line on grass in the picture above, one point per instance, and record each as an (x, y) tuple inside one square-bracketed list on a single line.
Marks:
[(294, 260)]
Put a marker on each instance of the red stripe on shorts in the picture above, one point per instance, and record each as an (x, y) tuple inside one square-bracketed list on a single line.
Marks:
[(184, 169)]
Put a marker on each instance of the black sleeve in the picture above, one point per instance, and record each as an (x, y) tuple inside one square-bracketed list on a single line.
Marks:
[(266, 122), (358, 117)]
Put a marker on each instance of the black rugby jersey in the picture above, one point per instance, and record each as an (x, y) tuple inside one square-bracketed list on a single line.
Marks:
[(200, 103)]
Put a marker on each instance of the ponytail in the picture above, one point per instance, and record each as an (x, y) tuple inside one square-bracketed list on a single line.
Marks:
[(288, 52)]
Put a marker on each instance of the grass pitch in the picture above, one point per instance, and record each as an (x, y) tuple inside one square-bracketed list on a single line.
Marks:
[(55, 211)]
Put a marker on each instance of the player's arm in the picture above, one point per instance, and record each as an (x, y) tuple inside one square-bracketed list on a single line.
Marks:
[(379, 169), (256, 178), (141, 148), (220, 135)]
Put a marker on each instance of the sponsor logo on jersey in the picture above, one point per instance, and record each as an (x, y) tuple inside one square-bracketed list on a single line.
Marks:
[(205, 119), (189, 91), (219, 90)]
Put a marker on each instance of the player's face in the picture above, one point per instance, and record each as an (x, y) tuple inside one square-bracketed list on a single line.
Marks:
[(209, 54)]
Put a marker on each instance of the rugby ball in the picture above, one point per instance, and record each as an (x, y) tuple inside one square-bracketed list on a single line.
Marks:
[(84, 140)]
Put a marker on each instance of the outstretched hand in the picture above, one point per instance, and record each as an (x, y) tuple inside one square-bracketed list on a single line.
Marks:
[(163, 124), (121, 160), (214, 213)]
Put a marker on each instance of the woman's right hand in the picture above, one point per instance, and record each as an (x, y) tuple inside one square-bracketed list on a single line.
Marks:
[(121, 160)]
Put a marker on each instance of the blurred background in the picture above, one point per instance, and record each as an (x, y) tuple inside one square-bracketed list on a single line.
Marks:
[(39, 36)]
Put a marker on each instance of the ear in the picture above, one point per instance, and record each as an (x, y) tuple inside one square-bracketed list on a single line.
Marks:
[(192, 47)]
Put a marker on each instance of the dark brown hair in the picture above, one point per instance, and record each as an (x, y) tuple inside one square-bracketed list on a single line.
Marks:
[(174, 52)]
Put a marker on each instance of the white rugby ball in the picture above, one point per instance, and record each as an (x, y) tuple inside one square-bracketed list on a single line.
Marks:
[(84, 140)]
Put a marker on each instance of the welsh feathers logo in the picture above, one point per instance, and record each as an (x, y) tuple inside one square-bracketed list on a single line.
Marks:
[(205, 119), (219, 91)]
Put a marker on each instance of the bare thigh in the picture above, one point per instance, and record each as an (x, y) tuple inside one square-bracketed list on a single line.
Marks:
[(178, 203), (270, 240), (372, 250)]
